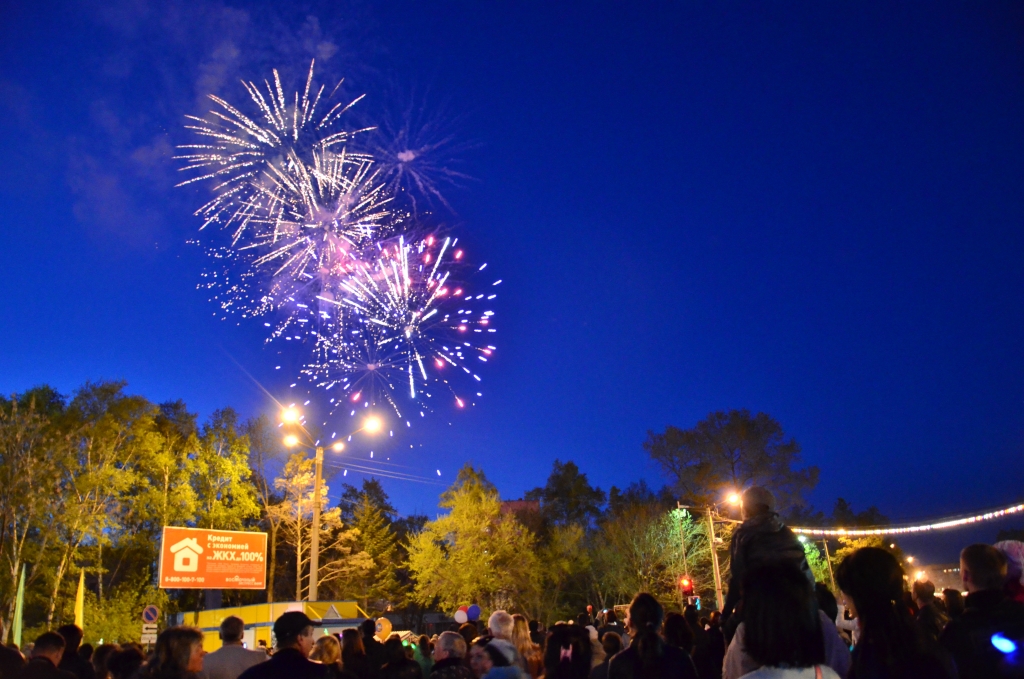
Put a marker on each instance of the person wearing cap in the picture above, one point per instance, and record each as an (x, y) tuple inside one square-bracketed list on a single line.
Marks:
[(761, 539), (294, 633)]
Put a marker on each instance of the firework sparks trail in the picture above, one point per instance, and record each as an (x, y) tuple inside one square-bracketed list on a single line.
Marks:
[(418, 156), (314, 237), (415, 329)]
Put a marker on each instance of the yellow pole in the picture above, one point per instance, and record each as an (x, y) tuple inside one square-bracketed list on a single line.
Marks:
[(80, 601)]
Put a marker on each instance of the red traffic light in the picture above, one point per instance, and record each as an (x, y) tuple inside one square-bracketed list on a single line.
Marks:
[(686, 586)]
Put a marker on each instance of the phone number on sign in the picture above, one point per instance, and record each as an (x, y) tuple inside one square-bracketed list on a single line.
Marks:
[(183, 578)]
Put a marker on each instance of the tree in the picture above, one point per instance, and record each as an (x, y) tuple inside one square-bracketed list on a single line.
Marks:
[(264, 446), (368, 509), (475, 553), (640, 550), (105, 432), (371, 491), (379, 587), (339, 561), (731, 450), (568, 498), (221, 474), (27, 476)]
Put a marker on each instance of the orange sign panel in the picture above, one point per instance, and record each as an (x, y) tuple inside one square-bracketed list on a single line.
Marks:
[(196, 558)]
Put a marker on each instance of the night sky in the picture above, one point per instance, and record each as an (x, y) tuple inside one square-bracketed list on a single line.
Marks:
[(809, 209)]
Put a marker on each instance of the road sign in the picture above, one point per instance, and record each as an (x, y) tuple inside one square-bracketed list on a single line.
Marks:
[(150, 614), (148, 633), (194, 558)]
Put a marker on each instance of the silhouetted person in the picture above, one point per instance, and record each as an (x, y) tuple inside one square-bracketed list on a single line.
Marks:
[(988, 615), (47, 653), (761, 539)]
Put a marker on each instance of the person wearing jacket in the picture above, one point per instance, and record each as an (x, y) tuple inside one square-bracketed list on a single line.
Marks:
[(761, 539), (46, 654), (988, 614), (294, 634), (449, 657)]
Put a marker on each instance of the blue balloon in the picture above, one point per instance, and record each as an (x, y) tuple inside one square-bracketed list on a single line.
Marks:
[(473, 613)]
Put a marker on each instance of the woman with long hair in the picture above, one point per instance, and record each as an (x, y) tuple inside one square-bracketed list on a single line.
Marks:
[(353, 655), (781, 633), (398, 661), (178, 654), (100, 657), (567, 653), (890, 644), (327, 651), (530, 652), (648, 656)]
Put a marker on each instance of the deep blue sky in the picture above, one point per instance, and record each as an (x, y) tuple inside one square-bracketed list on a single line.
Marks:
[(809, 209)]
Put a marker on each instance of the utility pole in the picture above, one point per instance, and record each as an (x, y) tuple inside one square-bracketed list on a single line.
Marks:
[(682, 537), (314, 538), (714, 561), (682, 545), (828, 560)]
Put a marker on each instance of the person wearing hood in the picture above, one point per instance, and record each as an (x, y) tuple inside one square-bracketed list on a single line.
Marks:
[(761, 539), (500, 661)]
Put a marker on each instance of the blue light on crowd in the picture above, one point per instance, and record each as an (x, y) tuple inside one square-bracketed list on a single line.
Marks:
[(1002, 644)]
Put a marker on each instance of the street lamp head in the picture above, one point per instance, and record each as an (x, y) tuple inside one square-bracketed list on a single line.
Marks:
[(291, 440), (910, 559), (373, 424), (290, 415), (338, 446), (734, 498)]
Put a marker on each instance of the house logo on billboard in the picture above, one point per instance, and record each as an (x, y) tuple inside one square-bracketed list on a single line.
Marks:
[(186, 555)]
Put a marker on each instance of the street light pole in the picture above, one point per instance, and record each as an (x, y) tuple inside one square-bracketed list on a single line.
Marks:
[(314, 538), (371, 425), (714, 562)]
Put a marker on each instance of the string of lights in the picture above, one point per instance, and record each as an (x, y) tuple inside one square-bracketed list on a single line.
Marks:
[(902, 530)]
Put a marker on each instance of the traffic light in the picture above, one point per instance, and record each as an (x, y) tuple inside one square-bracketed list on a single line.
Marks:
[(686, 586)]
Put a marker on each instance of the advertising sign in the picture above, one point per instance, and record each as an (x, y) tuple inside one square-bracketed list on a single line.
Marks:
[(196, 558)]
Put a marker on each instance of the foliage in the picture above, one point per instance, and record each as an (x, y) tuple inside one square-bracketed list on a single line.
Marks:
[(379, 588), (475, 553), (88, 482), (568, 498), (731, 450)]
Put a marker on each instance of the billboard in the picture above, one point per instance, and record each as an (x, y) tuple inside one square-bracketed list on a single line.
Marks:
[(196, 558)]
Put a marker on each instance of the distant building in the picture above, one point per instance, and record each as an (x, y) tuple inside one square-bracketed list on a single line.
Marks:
[(943, 576), (520, 507)]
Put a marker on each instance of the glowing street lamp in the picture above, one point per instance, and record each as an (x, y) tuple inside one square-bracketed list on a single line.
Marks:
[(371, 425), (734, 498)]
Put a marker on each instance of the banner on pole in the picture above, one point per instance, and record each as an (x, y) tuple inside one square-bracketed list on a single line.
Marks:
[(195, 558)]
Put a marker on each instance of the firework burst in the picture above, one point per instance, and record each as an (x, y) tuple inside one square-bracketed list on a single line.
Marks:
[(413, 329), (315, 238), (419, 155)]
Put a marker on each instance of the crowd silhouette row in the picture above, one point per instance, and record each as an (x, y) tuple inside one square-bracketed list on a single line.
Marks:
[(777, 623)]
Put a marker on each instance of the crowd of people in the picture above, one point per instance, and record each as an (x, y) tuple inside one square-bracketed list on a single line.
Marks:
[(777, 624)]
